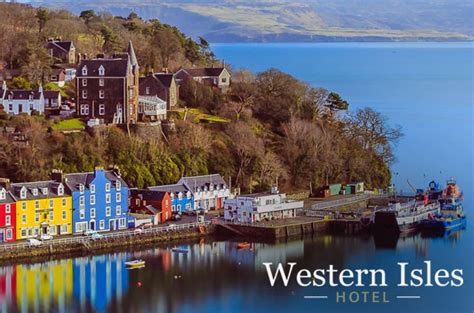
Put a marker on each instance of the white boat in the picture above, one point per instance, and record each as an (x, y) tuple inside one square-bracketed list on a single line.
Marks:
[(135, 263)]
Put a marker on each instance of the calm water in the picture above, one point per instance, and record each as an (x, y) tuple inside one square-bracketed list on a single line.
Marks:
[(426, 88)]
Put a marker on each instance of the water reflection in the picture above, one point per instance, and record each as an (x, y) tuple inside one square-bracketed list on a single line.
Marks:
[(212, 276)]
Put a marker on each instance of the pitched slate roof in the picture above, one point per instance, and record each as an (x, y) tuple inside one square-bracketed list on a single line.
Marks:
[(165, 78), (150, 195), (50, 94), (51, 185), (112, 67), (202, 181), (22, 94), (9, 198), (175, 188), (72, 181), (205, 71), (63, 45)]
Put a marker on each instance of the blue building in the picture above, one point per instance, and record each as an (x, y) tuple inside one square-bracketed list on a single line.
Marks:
[(99, 200), (182, 199)]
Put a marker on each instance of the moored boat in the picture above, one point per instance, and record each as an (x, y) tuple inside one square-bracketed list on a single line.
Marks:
[(179, 250), (405, 217), (135, 263), (243, 245)]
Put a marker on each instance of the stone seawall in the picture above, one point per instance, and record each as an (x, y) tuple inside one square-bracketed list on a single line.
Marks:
[(88, 246)]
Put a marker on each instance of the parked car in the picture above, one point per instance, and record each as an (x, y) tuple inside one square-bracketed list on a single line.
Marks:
[(44, 237), (144, 226), (138, 230), (34, 242), (90, 232), (96, 236)]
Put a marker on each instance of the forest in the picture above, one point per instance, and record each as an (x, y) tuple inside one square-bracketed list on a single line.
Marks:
[(271, 127)]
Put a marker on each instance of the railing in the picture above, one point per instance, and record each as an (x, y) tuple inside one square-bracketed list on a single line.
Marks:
[(77, 239), (329, 204)]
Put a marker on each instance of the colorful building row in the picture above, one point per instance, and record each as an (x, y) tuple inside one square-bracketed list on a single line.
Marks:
[(66, 204)]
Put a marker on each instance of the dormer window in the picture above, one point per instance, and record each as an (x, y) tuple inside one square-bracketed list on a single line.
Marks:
[(60, 190), (30, 97), (10, 97), (23, 193), (118, 185), (101, 70), (92, 188), (3, 194), (84, 70), (81, 188), (35, 191), (45, 191)]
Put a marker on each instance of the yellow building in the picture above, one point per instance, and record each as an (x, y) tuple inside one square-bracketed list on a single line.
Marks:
[(42, 208)]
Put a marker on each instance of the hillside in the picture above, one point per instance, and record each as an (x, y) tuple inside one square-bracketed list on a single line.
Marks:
[(301, 20)]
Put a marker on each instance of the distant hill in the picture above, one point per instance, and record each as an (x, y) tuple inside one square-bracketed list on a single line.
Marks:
[(299, 20)]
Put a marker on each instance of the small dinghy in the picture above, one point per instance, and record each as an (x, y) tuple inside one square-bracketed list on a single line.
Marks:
[(135, 264), (243, 245), (180, 250)]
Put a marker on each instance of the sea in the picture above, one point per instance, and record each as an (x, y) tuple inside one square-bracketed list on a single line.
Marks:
[(426, 88)]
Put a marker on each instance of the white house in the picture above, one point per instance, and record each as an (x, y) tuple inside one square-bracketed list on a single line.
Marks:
[(218, 77), (259, 207), (22, 101), (151, 108), (209, 191)]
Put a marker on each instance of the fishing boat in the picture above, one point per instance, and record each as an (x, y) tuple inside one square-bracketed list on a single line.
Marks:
[(243, 245), (452, 212), (180, 250), (405, 217), (135, 264)]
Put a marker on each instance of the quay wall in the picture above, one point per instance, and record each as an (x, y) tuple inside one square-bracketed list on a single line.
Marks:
[(84, 245)]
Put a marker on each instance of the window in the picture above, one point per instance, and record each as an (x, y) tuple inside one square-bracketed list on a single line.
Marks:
[(81, 201), (92, 188), (44, 191), (122, 222), (147, 91), (107, 198), (92, 213), (64, 202), (23, 205), (63, 229), (8, 220), (51, 203), (10, 107), (84, 70), (54, 78), (118, 186), (8, 208), (82, 214), (92, 199), (81, 188), (101, 82), (37, 204), (60, 190), (51, 216), (101, 94), (84, 93), (101, 109), (3, 194), (118, 197), (64, 215), (173, 208), (179, 207), (84, 109), (102, 224), (224, 80), (107, 187), (84, 83), (37, 217), (101, 70), (23, 233), (9, 234), (107, 211), (118, 210), (35, 192)]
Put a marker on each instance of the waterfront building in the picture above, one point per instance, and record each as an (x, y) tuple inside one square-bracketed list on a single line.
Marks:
[(7, 214), (260, 206), (182, 199), (99, 199), (151, 202), (208, 191), (42, 208), (151, 109), (216, 77), (161, 85), (107, 88), (22, 101)]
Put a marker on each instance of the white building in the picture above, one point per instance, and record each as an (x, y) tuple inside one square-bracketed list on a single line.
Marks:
[(22, 101), (259, 207), (151, 108), (209, 191)]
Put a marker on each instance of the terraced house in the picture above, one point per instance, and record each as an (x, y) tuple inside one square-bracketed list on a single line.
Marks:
[(99, 199), (41, 208), (7, 213)]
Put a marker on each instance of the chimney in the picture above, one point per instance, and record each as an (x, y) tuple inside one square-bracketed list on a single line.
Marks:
[(100, 56), (5, 183), (57, 175)]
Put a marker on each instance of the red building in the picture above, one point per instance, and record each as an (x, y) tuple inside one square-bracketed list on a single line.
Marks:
[(151, 202), (7, 214)]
